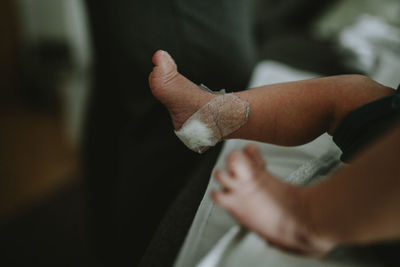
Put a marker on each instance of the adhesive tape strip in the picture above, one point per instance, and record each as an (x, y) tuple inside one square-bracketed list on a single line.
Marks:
[(218, 118)]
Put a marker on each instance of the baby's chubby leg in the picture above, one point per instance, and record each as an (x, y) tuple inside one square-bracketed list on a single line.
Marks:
[(291, 113)]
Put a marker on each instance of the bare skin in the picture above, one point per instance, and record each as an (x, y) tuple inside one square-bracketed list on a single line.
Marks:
[(299, 219), (273, 209), (181, 97), (285, 114), (359, 204)]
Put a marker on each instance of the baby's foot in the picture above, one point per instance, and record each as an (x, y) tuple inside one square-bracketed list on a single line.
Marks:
[(181, 96), (265, 205)]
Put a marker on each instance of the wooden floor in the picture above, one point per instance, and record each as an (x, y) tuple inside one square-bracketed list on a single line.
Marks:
[(43, 211), (36, 157)]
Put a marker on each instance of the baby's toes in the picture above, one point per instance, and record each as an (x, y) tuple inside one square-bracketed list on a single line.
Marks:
[(164, 71), (224, 199), (253, 152), (165, 63), (239, 166), (225, 180)]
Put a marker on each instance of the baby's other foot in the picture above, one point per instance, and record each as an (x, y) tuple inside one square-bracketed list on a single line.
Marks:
[(267, 206)]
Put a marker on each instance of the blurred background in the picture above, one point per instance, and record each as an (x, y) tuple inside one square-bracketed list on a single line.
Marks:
[(44, 80), (46, 73)]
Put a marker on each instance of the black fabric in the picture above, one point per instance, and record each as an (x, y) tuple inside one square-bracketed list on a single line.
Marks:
[(134, 165), (363, 125), (48, 232), (172, 230)]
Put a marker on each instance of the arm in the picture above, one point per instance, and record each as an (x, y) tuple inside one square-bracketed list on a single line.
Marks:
[(297, 112)]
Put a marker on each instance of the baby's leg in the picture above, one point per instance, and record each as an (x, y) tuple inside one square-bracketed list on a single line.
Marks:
[(286, 114)]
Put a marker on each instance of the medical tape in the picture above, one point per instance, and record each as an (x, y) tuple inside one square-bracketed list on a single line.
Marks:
[(218, 118)]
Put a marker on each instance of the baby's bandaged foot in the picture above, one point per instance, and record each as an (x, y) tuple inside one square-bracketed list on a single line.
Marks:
[(200, 116), (217, 119)]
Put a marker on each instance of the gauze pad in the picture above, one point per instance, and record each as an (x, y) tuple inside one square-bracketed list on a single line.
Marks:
[(220, 117)]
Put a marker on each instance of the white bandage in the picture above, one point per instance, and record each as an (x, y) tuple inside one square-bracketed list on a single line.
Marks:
[(220, 117)]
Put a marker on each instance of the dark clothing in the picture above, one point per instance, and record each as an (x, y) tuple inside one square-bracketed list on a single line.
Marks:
[(365, 124), (134, 164)]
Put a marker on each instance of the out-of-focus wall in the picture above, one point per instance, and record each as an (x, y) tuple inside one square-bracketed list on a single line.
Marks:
[(9, 41), (56, 20), (62, 22)]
